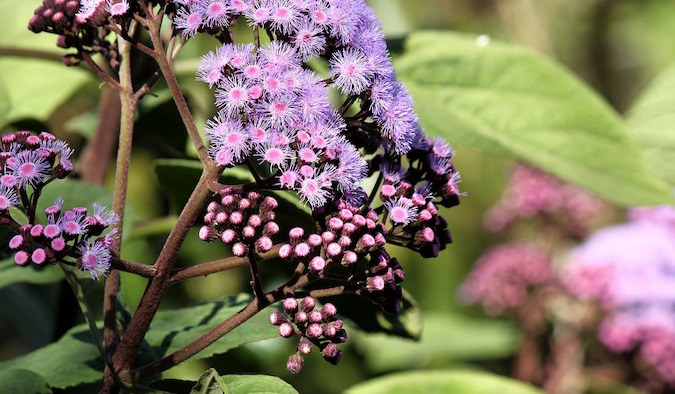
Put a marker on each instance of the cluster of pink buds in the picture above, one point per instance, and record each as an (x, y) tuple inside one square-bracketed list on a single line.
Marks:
[(77, 23), (243, 220), (30, 160), (67, 233), (315, 327)]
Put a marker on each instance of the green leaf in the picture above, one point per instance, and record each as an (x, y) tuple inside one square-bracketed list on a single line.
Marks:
[(35, 87), (23, 381), (11, 273), (505, 100), (445, 336), (70, 361), (257, 384), (651, 121), (171, 330), (210, 383), (442, 382)]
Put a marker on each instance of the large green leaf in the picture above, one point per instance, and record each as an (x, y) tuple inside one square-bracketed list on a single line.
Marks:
[(651, 122), (445, 336), (212, 383), (70, 361), (257, 384), (23, 381), (171, 330), (509, 101), (11, 273), (443, 382), (35, 87)]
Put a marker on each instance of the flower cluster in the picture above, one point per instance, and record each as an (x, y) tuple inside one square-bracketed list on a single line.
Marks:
[(243, 220), (68, 233), (409, 193), (315, 327), (30, 160), (27, 163), (76, 23), (503, 277), (628, 269), (532, 192)]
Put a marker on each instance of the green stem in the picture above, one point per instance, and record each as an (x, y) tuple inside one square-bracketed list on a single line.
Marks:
[(127, 118)]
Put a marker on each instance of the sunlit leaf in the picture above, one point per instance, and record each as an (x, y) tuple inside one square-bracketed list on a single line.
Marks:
[(509, 101), (652, 121)]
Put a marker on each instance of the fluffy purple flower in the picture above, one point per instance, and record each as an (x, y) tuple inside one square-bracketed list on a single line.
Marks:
[(94, 258)]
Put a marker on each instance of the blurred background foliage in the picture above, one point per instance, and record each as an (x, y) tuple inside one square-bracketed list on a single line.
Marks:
[(616, 46)]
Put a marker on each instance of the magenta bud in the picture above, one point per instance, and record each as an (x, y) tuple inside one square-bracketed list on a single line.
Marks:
[(294, 363), (248, 232), (285, 251), (307, 304), (349, 258), (301, 317), (212, 207), (359, 221), (16, 242), (228, 236), (302, 249), (328, 237), (334, 224), (345, 215), (207, 233), (254, 221), (314, 331), (333, 249), (39, 256), (58, 244), (21, 258), (332, 354), (296, 234), (375, 283), (271, 228), (328, 310), (305, 346), (236, 217), (276, 318), (264, 244), (290, 305), (221, 217), (239, 249), (315, 316), (286, 330), (314, 240), (269, 203), (317, 264), (345, 241), (387, 192)]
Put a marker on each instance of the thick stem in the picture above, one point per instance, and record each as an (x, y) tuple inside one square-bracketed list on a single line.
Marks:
[(213, 267), (170, 77), (112, 284), (145, 271)]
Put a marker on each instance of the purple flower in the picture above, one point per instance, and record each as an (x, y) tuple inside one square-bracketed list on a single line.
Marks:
[(28, 168), (629, 269), (94, 258), (350, 71)]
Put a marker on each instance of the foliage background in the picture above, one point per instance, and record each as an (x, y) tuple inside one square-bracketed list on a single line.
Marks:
[(616, 46)]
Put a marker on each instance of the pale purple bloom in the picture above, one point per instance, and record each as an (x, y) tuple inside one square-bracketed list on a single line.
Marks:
[(94, 258)]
